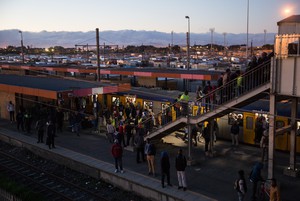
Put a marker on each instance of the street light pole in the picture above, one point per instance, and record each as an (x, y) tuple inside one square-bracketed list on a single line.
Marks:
[(265, 32), (224, 42), (98, 55), (22, 50), (187, 87), (172, 33), (247, 30), (212, 38), (188, 43)]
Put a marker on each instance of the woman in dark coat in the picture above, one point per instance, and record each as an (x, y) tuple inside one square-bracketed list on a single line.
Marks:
[(165, 168)]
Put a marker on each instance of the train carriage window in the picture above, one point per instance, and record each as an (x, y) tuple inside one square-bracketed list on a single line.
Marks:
[(164, 107), (232, 117), (148, 105), (249, 123), (280, 124), (130, 99), (116, 100)]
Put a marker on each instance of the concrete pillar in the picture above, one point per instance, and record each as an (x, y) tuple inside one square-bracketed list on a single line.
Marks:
[(293, 134), (211, 134), (292, 170), (190, 144), (272, 130)]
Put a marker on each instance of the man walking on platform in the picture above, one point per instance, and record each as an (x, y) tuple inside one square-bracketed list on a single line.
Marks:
[(165, 168), (180, 164)]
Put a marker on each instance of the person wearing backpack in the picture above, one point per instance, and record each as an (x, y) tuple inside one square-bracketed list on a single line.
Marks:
[(240, 185)]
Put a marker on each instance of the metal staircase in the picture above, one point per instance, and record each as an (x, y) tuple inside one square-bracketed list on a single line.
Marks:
[(225, 99)]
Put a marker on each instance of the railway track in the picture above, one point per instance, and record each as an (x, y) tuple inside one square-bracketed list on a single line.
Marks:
[(51, 186)]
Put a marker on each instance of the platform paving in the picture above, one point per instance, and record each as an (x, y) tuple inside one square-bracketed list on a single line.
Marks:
[(211, 178)]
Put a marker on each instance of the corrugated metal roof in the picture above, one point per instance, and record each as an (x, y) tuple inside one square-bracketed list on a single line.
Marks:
[(156, 94), (291, 19), (46, 83)]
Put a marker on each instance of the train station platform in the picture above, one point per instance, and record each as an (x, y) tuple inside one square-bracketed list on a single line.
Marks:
[(211, 178)]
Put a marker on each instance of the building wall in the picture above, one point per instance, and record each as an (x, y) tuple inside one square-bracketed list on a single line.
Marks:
[(147, 81), (12, 71), (172, 84), (288, 73), (289, 28)]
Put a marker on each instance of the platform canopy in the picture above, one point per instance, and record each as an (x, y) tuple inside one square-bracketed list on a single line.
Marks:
[(50, 87)]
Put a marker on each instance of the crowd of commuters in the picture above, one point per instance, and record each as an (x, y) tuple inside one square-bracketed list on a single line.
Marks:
[(129, 124), (132, 113), (41, 119)]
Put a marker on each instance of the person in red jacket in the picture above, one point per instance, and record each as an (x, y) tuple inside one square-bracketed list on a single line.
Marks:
[(117, 153)]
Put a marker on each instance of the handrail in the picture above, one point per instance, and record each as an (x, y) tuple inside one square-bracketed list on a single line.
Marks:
[(251, 80)]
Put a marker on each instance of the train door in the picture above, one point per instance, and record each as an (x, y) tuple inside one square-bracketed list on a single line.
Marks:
[(109, 100), (248, 128), (123, 100), (139, 103), (281, 141)]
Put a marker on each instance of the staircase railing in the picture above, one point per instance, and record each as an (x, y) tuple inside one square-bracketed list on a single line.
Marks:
[(250, 80)]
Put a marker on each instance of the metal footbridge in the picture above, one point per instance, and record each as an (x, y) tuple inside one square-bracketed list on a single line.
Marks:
[(225, 99)]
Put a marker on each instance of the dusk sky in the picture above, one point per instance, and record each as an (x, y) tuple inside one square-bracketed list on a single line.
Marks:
[(156, 15)]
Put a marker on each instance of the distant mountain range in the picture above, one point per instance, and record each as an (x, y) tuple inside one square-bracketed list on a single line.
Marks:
[(45, 39)]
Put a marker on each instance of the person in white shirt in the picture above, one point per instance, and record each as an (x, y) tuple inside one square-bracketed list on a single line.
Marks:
[(11, 110)]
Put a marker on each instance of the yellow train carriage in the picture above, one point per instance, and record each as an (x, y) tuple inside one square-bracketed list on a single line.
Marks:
[(281, 141), (155, 105)]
